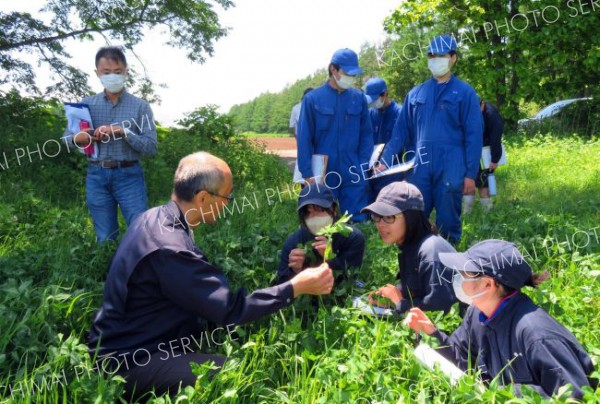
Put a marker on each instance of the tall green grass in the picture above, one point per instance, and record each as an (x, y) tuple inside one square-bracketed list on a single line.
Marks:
[(52, 273)]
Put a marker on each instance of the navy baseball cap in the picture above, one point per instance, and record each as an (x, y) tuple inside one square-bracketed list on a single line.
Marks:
[(441, 45), (396, 198), (347, 59), (496, 258), (373, 89), (316, 194)]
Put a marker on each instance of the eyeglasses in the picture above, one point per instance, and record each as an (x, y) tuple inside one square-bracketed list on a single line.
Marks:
[(386, 219), (228, 197)]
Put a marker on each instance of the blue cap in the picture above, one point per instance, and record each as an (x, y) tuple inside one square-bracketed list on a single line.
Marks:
[(395, 198), (315, 194), (441, 45), (373, 89), (347, 59), (498, 259)]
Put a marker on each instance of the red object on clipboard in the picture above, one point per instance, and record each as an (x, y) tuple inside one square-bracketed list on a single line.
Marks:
[(89, 149)]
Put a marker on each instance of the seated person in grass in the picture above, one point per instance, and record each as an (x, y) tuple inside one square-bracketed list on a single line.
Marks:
[(161, 289), (317, 209), (503, 332), (424, 281)]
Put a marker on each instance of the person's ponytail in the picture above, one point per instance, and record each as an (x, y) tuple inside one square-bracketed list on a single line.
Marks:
[(536, 279)]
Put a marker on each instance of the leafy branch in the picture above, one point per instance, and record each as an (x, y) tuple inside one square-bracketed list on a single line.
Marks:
[(341, 226)]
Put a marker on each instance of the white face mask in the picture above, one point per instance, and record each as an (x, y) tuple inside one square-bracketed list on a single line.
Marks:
[(438, 66), (345, 82), (457, 282), (316, 223), (113, 83), (376, 104)]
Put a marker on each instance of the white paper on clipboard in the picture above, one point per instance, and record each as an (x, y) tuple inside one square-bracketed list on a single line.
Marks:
[(75, 113), (429, 357), (377, 150), (397, 168), (365, 307), (486, 157), (319, 169)]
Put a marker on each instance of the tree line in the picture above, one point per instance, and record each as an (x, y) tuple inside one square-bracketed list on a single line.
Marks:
[(520, 55)]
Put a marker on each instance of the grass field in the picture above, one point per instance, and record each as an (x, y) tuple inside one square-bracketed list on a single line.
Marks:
[(52, 273)]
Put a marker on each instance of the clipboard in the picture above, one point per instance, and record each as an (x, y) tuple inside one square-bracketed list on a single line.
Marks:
[(361, 304), (486, 157), (397, 168), (377, 150), (430, 358), (76, 113), (319, 169)]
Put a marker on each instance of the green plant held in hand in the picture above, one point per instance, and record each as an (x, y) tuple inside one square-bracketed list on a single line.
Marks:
[(382, 301), (309, 254), (340, 226)]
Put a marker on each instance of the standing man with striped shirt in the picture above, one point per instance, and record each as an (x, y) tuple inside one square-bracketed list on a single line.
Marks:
[(124, 131)]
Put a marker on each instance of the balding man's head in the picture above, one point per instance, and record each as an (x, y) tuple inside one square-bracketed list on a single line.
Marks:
[(199, 171)]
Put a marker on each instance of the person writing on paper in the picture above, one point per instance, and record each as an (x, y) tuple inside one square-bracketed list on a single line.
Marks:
[(162, 290), (295, 114), (317, 209), (441, 126), (492, 138), (503, 332), (424, 281), (124, 132), (384, 112), (334, 121)]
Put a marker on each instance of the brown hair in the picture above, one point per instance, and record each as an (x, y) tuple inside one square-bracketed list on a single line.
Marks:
[(533, 281)]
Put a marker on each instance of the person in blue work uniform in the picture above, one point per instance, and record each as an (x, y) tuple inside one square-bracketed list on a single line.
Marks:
[(503, 332), (317, 209), (123, 132), (161, 289), (384, 112), (334, 121), (441, 125), (424, 281), (492, 137)]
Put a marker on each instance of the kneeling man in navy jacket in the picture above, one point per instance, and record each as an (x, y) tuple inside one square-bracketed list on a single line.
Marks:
[(161, 289)]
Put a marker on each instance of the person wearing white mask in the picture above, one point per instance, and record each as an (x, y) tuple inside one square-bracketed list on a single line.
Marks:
[(317, 209), (382, 108), (503, 333), (384, 112), (441, 126), (122, 131), (334, 121)]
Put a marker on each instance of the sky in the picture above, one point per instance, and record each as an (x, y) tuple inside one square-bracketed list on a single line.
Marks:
[(271, 43)]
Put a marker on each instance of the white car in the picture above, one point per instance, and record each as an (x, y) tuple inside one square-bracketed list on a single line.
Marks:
[(549, 111)]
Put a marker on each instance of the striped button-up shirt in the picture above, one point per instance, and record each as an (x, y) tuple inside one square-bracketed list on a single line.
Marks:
[(129, 112)]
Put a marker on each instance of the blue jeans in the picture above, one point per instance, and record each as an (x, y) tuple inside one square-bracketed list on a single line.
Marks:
[(107, 188)]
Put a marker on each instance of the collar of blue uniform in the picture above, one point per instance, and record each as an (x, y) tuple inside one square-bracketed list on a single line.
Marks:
[(175, 212), (496, 313), (388, 108), (434, 80)]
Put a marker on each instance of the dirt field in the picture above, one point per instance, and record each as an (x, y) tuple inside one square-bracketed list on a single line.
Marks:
[(283, 146)]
